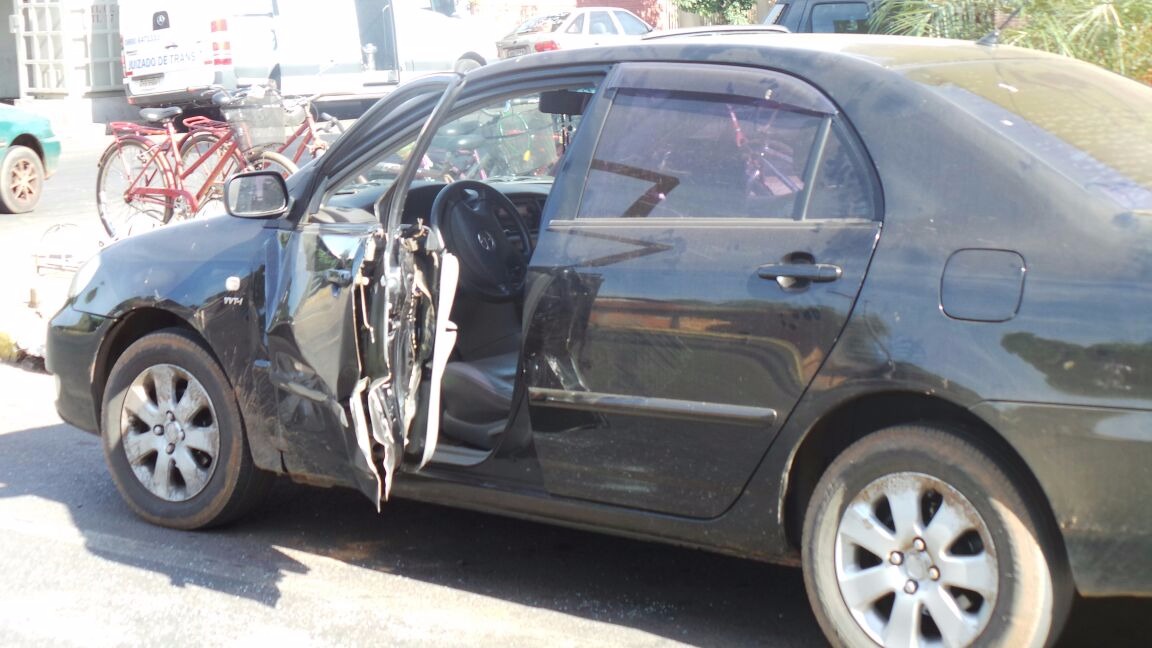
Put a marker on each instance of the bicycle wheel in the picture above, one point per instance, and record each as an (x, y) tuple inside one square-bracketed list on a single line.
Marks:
[(126, 165), (271, 161), (197, 146)]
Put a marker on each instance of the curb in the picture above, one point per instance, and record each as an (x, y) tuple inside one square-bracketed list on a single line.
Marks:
[(28, 306), (8, 349)]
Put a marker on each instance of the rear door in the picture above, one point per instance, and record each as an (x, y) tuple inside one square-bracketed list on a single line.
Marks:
[(692, 277)]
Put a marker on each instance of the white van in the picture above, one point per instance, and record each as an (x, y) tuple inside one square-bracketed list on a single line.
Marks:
[(174, 53)]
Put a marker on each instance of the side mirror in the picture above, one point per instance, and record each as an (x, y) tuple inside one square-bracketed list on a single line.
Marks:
[(256, 194)]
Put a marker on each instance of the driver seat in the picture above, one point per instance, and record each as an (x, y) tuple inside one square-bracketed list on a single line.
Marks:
[(477, 397)]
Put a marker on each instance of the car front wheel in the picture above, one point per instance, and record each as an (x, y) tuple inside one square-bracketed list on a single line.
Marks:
[(173, 437), (917, 537)]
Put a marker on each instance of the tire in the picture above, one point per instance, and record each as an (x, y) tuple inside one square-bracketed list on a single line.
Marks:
[(192, 149), (23, 180), (119, 165), (173, 437), (271, 161), (956, 549), (467, 63)]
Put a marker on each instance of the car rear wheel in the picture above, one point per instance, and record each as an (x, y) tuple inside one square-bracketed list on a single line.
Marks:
[(23, 180), (173, 437), (918, 537)]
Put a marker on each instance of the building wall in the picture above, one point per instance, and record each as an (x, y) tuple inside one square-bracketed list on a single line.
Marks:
[(60, 48), (9, 65)]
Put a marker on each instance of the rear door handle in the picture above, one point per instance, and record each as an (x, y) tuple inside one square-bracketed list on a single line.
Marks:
[(798, 272)]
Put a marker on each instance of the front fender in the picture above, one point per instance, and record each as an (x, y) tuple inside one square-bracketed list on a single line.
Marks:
[(211, 277)]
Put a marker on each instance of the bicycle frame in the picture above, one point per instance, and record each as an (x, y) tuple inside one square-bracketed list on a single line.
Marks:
[(163, 157), (224, 139), (306, 137)]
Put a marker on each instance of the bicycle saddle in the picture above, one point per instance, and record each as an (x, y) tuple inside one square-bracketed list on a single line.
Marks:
[(160, 114)]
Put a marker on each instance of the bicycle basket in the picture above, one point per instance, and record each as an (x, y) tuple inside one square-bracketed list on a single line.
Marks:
[(256, 124)]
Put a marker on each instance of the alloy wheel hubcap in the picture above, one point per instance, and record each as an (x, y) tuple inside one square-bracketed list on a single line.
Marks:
[(170, 433), (24, 181), (915, 563)]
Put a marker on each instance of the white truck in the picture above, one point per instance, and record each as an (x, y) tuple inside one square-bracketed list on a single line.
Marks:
[(174, 52)]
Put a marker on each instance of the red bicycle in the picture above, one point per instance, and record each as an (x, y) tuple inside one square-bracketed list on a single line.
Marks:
[(150, 175)]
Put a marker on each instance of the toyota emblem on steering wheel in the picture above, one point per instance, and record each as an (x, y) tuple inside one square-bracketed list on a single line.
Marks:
[(487, 241)]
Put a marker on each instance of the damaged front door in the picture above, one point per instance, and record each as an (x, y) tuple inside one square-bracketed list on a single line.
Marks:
[(326, 357), (411, 287), (411, 337), (313, 359)]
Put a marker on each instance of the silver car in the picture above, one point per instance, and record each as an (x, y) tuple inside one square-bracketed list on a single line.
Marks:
[(570, 29)]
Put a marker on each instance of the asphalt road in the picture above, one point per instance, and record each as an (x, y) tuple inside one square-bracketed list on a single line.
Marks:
[(321, 567), (318, 567)]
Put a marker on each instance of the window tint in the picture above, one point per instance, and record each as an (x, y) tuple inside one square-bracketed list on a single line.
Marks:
[(842, 186), (577, 26), (840, 18), (677, 154), (601, 23), (632, 25)]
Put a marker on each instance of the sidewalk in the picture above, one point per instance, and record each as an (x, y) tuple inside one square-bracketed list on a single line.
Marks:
[(28, 297)]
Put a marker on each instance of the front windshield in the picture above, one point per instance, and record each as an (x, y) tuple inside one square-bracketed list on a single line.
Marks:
[(521, 138)]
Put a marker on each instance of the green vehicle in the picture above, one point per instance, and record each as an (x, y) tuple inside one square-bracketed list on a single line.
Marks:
[(29, 151)]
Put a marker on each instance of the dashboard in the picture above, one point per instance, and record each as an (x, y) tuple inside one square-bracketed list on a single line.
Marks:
[(357, 204)]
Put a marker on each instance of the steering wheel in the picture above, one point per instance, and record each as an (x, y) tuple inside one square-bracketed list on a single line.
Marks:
[(490, 265)]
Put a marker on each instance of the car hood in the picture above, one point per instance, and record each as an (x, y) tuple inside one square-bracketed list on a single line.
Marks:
[(184, 267)]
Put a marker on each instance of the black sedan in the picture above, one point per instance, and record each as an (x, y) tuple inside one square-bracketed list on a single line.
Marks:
[(875, 306)]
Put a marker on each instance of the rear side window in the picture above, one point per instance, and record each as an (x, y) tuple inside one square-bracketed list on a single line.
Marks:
[(672, 153), (577, 26), (632, 25), (840, 18), (601, 23)]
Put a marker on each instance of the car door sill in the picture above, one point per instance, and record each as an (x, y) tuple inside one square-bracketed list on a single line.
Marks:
[(453, 455)]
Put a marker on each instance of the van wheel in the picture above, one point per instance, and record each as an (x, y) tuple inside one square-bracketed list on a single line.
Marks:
[(173, 436), (915, 536)]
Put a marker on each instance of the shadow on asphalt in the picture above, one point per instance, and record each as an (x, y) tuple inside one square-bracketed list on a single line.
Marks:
[(680, 594)]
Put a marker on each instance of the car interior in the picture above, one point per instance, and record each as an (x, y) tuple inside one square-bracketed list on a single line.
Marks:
[(483, 184)]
